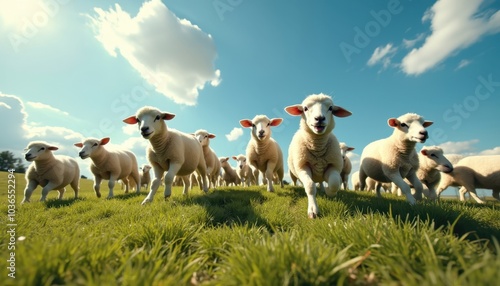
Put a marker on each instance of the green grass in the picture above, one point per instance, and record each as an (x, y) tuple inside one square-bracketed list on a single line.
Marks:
[(247, 236)]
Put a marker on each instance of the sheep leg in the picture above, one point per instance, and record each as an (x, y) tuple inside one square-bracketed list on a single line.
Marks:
[(378, 185), (462, 192), (126, 182), (186, 181), (305, 176), (362, 179), (61, 193), (97, 186), (269, 176), (111, 186), (322, 187), (203, 178), (169, 179), (417, 185), (32, 184), (405, 189), (472, 193), (137, 179), (74, 185), (45, 190), (294, 179), (281, 173), (333, 178), (155, 184)]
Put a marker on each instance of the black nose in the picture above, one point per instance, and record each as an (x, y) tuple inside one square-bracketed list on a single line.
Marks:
[(144, 129), (27, 156), (80, 153), (319, 118), (261, 132), (424, 133)]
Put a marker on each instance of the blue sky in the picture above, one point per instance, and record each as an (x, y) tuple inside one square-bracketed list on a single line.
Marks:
[(75, 69)]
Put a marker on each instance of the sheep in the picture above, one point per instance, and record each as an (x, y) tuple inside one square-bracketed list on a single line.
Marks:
[(370, 183), (263, 152), (230, 176), (474, 172), (431, 163), (394, 158), (211, 159), (245, 173), (170, 151), (346, 170), (355, 181), (109, 164), (144, 175), (49, 171), (314, 154)]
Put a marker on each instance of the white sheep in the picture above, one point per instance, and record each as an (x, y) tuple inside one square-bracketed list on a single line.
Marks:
[(109, 164), (211, 159), (170, 151), (49, 171), (314, 154), (229, 174), (431, 163), (263, 152), (370, 183), (474, 172), (394, 158), (346, 170), (244, 171), (144, 176)]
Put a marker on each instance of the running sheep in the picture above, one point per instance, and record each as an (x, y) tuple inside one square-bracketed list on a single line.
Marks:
[(394, 158), (211, 159), (109, 164), (170, 151), (263, 152), (314, 154), (346, 170), (244, 171), (51, 172), (229, 174)]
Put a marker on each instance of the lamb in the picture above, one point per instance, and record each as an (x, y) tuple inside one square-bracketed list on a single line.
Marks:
[(431, 163), (474, 172), (394, 158), (346, 170), (145, 177), (170, 151), (49, 171), (229, 175), (211, 159), (245, 173), (314, 154), (109, 164), (263, 152)]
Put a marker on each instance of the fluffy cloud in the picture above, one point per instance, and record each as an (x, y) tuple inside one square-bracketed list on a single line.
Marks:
[(455, 25), (411, 43), (462, 64), (172, 54), (234, 134), (382, 55), (39, 105), (461, 147)]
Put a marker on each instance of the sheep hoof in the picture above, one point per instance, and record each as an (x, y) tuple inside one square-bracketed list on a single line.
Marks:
[(312, 215), (109, 197), (146, 201), (98, 195), (25, 201)]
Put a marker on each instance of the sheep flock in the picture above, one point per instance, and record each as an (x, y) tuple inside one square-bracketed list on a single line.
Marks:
[(315, 160)]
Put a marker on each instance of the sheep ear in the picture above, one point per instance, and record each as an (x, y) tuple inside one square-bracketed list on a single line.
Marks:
[(211, 136), (341, 112), (104, 141), (276, 121), (427, 123), (234, 157), (424, 152), (167, 116), (350, 148), (294, 110), (393, 122), (53, 148), (246, 123), (80, 145), (131, 120)]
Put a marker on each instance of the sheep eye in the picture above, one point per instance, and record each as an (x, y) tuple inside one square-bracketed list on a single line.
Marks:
[(41, 149), (253, 125), (95, 144), (404, 125), (157, 117), (268, 124), (330, 109), (305, 108), (434, 155)]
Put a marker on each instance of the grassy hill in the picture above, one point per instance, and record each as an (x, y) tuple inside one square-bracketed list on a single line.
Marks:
[(246, 236)]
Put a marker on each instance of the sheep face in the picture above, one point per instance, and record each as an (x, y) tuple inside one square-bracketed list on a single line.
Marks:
[(203, 137), (145, 168), (242, 161), (344, 149), (89, 146), (38, 151), (435, 154), (317, 113), (261, 126), (411, 127), (149, 120), (223, 161)]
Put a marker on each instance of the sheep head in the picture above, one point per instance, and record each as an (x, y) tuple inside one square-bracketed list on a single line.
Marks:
[(410, 127), (261, 126), (203, 137), (435, 154), (145, 168), (90, 146), (344, 149), (150, 120), (317, 113), (38, 150), (241, 159)]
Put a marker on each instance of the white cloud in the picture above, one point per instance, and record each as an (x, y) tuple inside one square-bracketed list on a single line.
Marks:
[(494, 151), (172, 54), (462, 64), (130, 129), (383, 55), (411, 43), (234, 134), (455, 25), (43, 106), (461, 147)]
